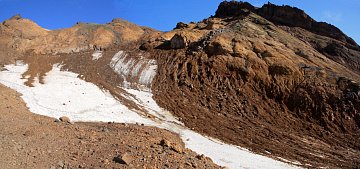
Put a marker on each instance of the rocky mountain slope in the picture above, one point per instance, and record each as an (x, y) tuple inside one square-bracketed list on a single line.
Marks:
[(271, 79)]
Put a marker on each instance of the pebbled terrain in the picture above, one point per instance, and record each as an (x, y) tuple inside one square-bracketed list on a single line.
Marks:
[(34, 141)]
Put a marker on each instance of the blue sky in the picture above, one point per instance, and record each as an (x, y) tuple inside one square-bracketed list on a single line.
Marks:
[(164, 14)]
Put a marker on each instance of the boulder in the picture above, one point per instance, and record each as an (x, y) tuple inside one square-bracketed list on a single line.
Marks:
[(173, 146), (233, 9), (178, 42), (16, 17), (125, 158), (65, 119), (181, 25)]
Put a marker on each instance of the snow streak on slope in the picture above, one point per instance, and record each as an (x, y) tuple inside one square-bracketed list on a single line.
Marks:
[(221, 153), (137, 71), (64, 94)]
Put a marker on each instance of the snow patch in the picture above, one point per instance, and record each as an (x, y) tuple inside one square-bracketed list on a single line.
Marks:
[(145, 100), (63, 94), (97, 55), (134, 69)]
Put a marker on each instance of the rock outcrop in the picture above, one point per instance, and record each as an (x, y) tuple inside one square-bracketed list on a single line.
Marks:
[(233, 9), (284, 15)]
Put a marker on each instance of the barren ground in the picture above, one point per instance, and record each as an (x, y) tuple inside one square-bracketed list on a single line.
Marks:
[(33, 141)]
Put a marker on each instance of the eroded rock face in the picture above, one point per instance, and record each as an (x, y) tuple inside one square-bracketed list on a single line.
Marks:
[(284, 15), (233, 8), (178, 42), (294, 17), (246, 71)]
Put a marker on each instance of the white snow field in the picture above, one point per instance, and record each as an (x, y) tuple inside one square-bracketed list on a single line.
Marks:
[(63, 94)]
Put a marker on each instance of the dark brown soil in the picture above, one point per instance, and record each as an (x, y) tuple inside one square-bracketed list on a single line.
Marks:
[(225, 108)]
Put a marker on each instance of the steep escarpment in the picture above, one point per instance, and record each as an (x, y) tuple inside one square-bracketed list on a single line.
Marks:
[(284, 15), (324, 37), (251, 81)]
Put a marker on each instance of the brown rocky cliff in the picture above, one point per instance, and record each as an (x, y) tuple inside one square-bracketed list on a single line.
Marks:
[(253, 81), (325, 38), (284, 15)]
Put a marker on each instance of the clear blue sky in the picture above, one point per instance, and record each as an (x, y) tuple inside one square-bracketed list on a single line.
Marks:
[(164, 14)]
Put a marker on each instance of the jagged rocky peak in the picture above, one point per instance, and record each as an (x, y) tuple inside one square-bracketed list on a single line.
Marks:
[(287, 15), (294, 17), (283, 15), (16, 17), (233, 8)]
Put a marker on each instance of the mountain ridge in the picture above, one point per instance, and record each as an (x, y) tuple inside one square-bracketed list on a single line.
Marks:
[(284, 15)]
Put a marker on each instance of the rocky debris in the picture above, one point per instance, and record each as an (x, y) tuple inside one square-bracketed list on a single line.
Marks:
[(166, 143), (125, 158), (62, 165), (104, 129), (3, 68), (65, 119), (200, 157), (83, 145), (204, 43), (106, 161)]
